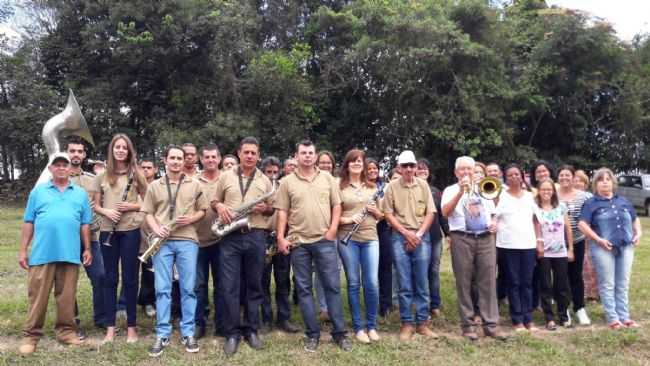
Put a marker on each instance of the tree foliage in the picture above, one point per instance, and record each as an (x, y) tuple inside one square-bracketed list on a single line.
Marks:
[(499, 82)]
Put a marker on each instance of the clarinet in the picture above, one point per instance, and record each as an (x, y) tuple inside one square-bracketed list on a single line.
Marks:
[(107, 242), (364, 214)]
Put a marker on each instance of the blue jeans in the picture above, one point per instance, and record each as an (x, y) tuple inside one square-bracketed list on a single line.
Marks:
[(413, 278), (361, 259), (322, 258), (434, 274), (184, 254), (123, 253), (613, 270), (519, 266), (208, 261), (96, 275)]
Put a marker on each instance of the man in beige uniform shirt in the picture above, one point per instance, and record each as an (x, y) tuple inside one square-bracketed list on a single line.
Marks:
[(76, 149), (409, 209), (208, 258), (166, 201), (308, 200), (241, 255)]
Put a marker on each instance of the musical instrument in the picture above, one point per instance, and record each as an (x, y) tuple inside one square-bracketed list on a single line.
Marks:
[(69, 122), (272, 246), (364, 214), (241, 214), (155, 242), (489, 188), (125, 195)]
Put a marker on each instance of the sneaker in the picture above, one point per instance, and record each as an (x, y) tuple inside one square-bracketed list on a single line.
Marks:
[(583, 318), (311, 344), (150, 310), (344, 343), (373, 335), (157, 348), (362, 337), (569, 322), (190, 343)]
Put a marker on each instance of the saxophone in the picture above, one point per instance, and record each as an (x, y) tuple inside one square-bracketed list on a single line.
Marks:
[(240, 219), (155, 242)]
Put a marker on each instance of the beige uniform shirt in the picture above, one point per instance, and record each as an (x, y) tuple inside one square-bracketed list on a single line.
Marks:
[(156, 203), (409, 203), (112, 195), (353, 201), (206, 236), (85, 180), (228, 192), (308, 203)]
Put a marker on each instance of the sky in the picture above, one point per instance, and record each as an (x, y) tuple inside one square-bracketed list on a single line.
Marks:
[(629, 17)]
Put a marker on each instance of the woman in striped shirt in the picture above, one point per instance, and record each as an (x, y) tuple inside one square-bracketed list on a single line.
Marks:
[(574, 199)]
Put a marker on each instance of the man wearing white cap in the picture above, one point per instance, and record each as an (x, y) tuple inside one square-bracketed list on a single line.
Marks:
[(409, 209), (58, 218)]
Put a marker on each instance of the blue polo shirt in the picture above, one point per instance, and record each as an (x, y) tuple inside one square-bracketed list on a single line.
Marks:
[(57, 217), (610, 218)]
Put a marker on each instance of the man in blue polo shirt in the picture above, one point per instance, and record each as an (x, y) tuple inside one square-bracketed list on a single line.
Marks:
[(57, 212)]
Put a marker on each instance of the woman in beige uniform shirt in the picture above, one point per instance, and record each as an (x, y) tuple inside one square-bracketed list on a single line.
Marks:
[(360, 255)]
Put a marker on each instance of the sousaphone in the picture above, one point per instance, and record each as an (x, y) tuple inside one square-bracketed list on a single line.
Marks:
[(69, 122)]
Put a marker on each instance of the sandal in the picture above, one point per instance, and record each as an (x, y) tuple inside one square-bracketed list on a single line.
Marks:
[(631, 324), (615, 325), (550, 325)]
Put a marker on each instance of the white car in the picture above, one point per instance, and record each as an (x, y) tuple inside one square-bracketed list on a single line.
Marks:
[(636, 188)]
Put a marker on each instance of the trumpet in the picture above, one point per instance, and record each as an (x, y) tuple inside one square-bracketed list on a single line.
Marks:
[(155, 242), (240, 219), (489, 188)]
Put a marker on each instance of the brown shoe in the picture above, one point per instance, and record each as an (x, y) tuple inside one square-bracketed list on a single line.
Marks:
[(495, 333), (27, 347), (425, 330), (470, 334), (71, 341), (406, 332)]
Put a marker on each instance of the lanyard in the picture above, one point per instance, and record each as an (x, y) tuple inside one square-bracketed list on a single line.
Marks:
[(243, 189), (172, 199)]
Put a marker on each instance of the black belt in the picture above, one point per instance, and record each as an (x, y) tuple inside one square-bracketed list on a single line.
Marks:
[(470, 234)]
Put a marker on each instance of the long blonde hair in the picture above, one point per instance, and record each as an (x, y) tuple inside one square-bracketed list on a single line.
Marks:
[(132, 163)]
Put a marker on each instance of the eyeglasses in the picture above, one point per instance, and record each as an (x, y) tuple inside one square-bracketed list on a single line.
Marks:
[(408, 165)]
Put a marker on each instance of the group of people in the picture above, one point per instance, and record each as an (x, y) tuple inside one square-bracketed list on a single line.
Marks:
[(528, 244)]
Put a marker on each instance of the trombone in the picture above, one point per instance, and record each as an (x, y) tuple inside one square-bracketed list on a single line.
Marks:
[(488, 188)]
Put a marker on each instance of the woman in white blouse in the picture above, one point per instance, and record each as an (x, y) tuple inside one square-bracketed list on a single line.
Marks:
[(518, 232)]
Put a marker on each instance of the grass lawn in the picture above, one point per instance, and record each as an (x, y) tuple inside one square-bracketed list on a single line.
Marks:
[(594, 345)]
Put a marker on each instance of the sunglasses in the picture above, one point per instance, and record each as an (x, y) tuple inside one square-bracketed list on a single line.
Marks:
[(408, 165)]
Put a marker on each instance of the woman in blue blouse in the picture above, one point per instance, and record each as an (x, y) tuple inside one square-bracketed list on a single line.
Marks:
[(611, 222)]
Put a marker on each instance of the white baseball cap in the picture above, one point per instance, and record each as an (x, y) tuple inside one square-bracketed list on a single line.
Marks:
[(60, 156), (406, 157)]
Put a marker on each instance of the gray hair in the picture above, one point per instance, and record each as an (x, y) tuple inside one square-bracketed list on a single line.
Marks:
[(599, 175), (464, 159)]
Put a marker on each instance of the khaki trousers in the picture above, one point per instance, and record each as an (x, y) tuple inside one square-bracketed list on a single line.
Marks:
[(63, 277), (475, 257)]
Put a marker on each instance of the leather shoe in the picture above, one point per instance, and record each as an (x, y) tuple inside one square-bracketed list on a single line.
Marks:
[(287, 327), (254, 341), (230, 347), (495, 333)]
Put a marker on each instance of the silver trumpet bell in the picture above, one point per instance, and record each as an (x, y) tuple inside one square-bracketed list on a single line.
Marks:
[(69, 122)]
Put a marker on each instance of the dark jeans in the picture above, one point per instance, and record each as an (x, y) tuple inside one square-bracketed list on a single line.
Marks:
[(124, 248), (385, 268), (147, 295), (281, 266), (576, 282), (96, 275), (241, 253), (320, 256), (434, 275), (208, 261), (554, 285), (520, 265)]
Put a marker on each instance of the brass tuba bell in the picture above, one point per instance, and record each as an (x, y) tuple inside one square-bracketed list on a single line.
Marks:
[(69, 122)]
